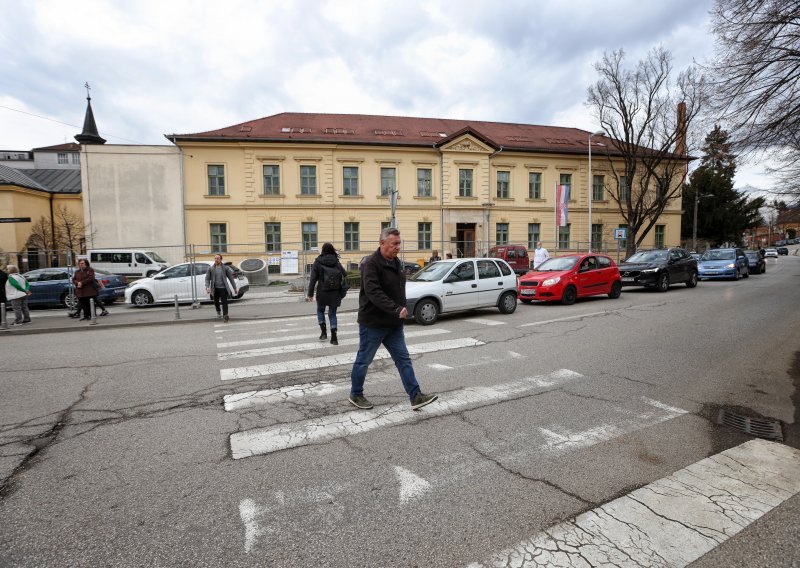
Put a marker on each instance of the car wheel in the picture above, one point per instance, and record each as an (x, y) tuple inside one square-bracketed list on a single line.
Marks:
[(746, 272), (69, 301), (507, 303), (426, 312), (141, 298), (737, 274), (663, 282), (616, 290), (569, 296), (692, 282), (526, 301)]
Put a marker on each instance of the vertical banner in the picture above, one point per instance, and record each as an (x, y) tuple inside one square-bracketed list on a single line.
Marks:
[(562, 204)]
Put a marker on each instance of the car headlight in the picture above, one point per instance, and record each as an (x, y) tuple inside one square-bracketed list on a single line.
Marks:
[(731, 265), (649, 270), (551, 281)]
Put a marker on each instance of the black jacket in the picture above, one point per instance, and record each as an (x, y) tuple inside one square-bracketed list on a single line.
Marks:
[(383, 292), (3, 280), (325, 297)]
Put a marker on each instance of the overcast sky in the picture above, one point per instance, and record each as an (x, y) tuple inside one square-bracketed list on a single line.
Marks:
[(160, 67)]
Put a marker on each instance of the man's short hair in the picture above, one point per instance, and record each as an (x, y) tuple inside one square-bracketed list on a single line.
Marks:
[(389, 231)]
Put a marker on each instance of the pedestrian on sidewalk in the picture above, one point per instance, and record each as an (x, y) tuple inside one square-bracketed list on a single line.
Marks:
[(381, 313), (17, 290), (220, 282), (539, 255), (327, 276), (85, 290)]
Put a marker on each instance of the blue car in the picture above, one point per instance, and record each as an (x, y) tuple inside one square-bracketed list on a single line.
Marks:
[(53, 287), (723, 263)]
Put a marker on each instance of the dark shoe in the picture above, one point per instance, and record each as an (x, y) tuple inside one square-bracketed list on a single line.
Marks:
[(422, 399), (334, 339), (225, 318), (27, 321), (324, 335), (104, 313), (85, 319), (74, 315), (360, 402)]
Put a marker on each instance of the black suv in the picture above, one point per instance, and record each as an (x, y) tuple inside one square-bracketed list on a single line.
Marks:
[(659, 268)]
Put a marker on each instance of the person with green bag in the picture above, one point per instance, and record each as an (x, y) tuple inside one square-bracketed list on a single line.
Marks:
[(17, 290)]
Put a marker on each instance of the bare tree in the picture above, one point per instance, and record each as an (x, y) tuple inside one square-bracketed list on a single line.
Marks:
[(70, 233), (756, 75), (647, 155)]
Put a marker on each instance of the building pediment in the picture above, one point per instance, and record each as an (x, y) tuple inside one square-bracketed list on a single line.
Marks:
[(467, 143)]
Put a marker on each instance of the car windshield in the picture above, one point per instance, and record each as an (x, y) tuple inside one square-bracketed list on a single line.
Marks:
[(433, 272), (752, 255), (718, 255), (155, 256), (648, 256), (558, 264)]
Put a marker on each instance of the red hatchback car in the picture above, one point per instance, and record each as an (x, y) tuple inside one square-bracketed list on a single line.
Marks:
[(568, 278)]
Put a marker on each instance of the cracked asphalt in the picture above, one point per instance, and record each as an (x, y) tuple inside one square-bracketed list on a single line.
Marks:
[(115, 451)]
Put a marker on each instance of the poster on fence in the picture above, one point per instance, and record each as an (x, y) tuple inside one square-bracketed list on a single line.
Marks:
[(289, 263)]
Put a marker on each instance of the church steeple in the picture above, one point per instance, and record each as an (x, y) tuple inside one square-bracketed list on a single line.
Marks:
[(89, 134)]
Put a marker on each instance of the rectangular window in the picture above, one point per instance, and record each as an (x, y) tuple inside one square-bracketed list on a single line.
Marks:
[(465, 183), (565, 179), (624, 189), (272, 183), (76, 158), (216, 180), (503, 181), (350, 180), (563, 237), (424, 236), (623, 243), (424, 185), (385, 225), (534, 235), (308, 180), (660, 232), (501, 234), (272, 236), (309, 236), (535, 185), (597, 236), (63, 158), (598, 185), (219, 237), (388, 180), (351, 236)]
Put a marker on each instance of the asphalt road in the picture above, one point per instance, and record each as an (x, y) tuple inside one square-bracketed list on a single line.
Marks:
[(116, 448)]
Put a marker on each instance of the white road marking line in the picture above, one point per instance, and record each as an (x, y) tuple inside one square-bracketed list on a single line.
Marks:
[(313, 345), (483, 361), (272, 439), (282, 338), (672, 521), (439, 367), (411, 485), (485, 321), (234, 324), (338, 359), (249, 512)]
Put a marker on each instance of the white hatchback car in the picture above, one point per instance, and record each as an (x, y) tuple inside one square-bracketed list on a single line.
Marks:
[(461, 284), (771, 253), (187, 281)]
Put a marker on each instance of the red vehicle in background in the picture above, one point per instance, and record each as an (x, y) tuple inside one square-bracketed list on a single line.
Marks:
[(515, 255), (568, 278)]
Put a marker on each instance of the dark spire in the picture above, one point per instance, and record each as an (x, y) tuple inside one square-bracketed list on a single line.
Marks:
[(89, 134)]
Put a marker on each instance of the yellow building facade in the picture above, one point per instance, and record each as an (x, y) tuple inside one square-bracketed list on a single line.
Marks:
[(269, 186)]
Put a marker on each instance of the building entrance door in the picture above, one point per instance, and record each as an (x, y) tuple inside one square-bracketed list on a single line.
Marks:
[(465, 240)]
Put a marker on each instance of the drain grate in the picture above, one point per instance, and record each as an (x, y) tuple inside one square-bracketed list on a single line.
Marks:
[(758, 427)]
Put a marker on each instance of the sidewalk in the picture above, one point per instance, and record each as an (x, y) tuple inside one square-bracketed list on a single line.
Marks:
[(261, 303)]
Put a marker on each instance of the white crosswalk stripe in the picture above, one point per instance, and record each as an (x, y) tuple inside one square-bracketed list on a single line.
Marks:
[(280, 338), (485, 321), (672, 521)]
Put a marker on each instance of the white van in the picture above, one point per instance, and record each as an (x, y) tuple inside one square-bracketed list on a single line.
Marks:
[(128, 262)]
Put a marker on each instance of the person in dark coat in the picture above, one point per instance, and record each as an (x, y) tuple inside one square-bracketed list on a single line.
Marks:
[(85, 288), (3, 280), (327, 275)]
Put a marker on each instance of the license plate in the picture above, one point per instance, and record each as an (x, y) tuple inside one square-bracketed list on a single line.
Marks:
[(628, 279), (528, 292)]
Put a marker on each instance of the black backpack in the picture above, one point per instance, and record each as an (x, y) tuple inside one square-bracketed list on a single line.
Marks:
[(331, 277)]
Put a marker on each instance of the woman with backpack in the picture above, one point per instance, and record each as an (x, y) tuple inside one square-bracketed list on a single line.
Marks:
[(327, 276)]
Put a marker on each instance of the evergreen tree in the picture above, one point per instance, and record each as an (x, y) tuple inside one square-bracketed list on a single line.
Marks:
[(723, 213)]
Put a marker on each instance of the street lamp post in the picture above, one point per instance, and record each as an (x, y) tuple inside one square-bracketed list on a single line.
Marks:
[(591, 184)]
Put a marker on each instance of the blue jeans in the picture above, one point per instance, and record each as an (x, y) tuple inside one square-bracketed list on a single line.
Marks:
[(393, 338), (331, 315)]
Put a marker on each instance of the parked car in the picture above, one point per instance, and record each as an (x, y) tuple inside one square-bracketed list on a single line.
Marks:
[(461, 284), (53, 287), (724, 263), (515, 255), (695, 255), (783, 250), (567, 278), (659, 268), (130, 262), (770, 253), (187, 280), (409, 268), (755, 261)]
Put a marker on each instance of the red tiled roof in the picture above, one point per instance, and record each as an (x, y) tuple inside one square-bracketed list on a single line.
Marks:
[(398, 131), (68, 147)]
